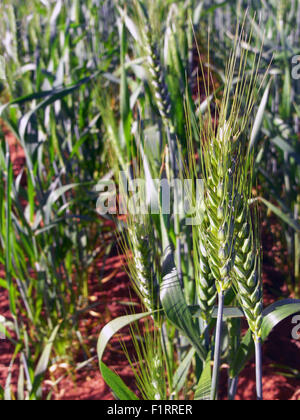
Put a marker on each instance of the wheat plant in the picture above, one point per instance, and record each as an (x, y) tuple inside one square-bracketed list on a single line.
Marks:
[(74, 74), (247, 277), (224, 161), (142, 258)]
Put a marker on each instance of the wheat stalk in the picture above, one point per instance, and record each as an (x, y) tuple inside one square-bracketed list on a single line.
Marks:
[(247, 273), (163, 101), (223, 157)]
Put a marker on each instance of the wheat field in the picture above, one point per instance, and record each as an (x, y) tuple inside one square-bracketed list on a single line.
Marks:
[(149, 200)]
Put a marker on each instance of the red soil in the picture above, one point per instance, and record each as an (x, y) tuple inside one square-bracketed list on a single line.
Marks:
[(16, 152), (109, 297)]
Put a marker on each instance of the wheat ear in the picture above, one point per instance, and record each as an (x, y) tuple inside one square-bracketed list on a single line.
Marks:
[(141, 263), (247, 271), (205, 281), (247, 279)]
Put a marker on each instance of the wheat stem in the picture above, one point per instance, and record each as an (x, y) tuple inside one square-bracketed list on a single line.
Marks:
[(258, 362), (233, 385), (217, 354)]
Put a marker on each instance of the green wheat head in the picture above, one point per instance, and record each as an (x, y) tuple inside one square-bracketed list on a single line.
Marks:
[(154, 67), (141, 260), (205, 281), (219, 198), (247, 267)]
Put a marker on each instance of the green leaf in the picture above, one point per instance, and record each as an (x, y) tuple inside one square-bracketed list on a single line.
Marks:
[(54, 96), (286, 105), (113, 327), (54, 196), (124, 92), (2, 68), (198, 13), (42, 365), (175, 306), (44, 359), (21, 384), (121, 391), (112, 379), (9, 237), (276, 313), (260, 116), (203, 390), (51, 95), (273, 315), (27, 98), (182, 372), (131, 26), (7, 389)]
